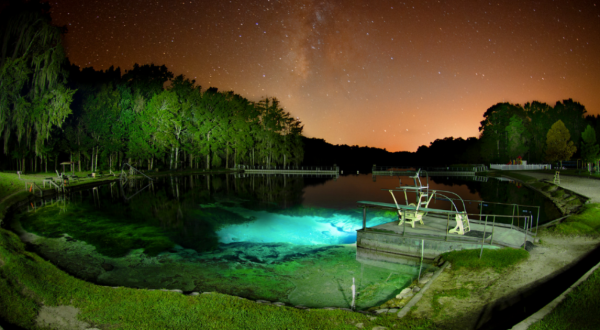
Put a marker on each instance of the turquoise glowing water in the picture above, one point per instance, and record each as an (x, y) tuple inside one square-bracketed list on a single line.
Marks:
[(263, 237)]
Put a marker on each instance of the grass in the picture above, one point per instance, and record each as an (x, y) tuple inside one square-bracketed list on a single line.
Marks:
[(460, 293), (496, 259), (585, 223), (539, 185), (580, 310)]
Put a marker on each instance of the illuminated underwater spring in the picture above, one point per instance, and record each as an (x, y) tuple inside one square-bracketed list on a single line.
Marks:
[(200, 239), (270, 237)]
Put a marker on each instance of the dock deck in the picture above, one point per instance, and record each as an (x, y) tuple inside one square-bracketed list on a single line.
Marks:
[(391, 242)]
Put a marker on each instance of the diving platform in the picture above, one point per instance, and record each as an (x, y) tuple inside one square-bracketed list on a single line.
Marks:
[(392, 242), (421, 233)]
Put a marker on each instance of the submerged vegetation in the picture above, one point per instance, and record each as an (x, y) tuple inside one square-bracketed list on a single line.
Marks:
[(28, 284)]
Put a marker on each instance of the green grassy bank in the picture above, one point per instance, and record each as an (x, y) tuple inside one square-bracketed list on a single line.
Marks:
[(584, 223), (30, 286), (580, 310)]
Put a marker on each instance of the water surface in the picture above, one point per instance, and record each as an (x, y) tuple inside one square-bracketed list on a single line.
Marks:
[(278, 238)]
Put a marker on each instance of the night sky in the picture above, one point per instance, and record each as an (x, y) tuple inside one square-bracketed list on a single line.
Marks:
[(385, 74)]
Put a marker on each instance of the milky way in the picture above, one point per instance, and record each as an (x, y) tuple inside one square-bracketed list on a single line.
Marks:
[(388, 74)]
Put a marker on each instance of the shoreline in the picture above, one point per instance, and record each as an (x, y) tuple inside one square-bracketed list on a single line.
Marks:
[(459, 277)]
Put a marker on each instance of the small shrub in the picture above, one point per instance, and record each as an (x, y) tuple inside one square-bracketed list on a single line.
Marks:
[(497, 259)]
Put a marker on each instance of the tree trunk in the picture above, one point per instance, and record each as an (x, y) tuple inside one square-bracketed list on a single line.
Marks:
[(97, 152), (176, 154), (208, 153), (227, 155), (171, 161)]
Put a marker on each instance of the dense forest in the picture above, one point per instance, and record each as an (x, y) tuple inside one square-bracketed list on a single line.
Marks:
[(146, 116), (512, 130)]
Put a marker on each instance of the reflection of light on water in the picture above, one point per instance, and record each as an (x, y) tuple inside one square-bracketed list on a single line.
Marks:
[(307, 230)]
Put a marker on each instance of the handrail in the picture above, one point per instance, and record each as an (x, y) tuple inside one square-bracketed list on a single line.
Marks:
[(458, 238)]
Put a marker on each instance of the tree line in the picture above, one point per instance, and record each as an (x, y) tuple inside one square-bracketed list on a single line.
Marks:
[(146, 116), (538, 132)]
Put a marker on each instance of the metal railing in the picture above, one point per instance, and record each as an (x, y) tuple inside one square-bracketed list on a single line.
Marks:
[(532, 210), (475, 168), (489, 221)]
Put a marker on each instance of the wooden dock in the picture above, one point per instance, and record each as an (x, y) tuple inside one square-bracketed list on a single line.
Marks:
[(403, 244), (304, 170), (282, 171), (430, 173)]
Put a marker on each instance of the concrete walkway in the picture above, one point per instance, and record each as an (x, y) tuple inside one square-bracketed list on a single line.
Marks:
[(583, 186)]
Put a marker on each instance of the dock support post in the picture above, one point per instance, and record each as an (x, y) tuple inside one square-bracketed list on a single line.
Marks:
[(447, 227), (480, 210), (422, 249), (493, 230), (364, 217), (404, 223), (483, 238), (525, 242)]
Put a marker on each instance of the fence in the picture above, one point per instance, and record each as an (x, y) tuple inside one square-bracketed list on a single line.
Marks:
[(286, 168), (504, 167), (474, 168)]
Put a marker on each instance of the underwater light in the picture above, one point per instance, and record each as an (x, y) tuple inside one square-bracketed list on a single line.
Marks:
[(306, 230)]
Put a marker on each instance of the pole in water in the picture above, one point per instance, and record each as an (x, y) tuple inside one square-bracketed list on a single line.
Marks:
[(353, 287), (422, 248)]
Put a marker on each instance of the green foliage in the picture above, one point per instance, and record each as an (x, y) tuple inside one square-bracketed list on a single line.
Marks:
[(497, 259), (590, 150), (580, 309), (499, 136), (33, 96), (518, 137), (558, 146)]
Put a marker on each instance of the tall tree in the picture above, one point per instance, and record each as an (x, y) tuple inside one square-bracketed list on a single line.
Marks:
[(518, 137), (493, 130), (558, 144), (33, 96), (590, 151), (540, 117)]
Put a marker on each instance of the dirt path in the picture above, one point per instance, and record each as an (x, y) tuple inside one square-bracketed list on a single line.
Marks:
[(461, 299)]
